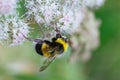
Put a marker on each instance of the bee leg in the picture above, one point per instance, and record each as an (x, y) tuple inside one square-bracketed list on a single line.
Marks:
[(57, 30)]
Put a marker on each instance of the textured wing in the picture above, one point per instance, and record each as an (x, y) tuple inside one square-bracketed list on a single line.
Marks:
[(47, 62)]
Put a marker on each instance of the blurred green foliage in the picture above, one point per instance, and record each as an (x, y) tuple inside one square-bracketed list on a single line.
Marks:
[(105, 62)]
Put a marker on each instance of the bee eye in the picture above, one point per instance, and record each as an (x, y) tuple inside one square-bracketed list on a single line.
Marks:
[(58, 36)]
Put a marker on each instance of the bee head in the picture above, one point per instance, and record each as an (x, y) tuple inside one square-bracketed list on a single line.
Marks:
[(58, 35)]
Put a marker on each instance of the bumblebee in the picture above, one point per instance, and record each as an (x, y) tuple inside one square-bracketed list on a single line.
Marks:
[(50, 49)]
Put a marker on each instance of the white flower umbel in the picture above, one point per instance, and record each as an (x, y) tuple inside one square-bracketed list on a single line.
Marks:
[(86, 38), (66, 14), (20, 31), (12, 30)]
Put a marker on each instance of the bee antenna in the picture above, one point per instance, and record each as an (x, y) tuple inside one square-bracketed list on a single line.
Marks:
[(57, 30), (58, 35)]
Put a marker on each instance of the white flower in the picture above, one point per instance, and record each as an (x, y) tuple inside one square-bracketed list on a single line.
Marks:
[(8, 6), (93, 3), (86, 38), (71, 21), (20, 31), (12, 29), (66, 15)]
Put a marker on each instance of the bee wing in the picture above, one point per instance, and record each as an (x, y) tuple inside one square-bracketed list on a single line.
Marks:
[(47, 62)]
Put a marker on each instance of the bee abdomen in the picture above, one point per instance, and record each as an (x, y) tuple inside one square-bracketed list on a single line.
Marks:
[(38, 49)]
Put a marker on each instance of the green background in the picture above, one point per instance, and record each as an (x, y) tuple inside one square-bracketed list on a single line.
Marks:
[(105, 62)]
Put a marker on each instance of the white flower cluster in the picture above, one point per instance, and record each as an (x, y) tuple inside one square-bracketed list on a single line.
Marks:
[(12, 29), (67, 15), (86, 38)]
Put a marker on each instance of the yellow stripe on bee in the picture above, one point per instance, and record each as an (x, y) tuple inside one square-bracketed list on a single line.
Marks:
[(61, 41), (45, 49)]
